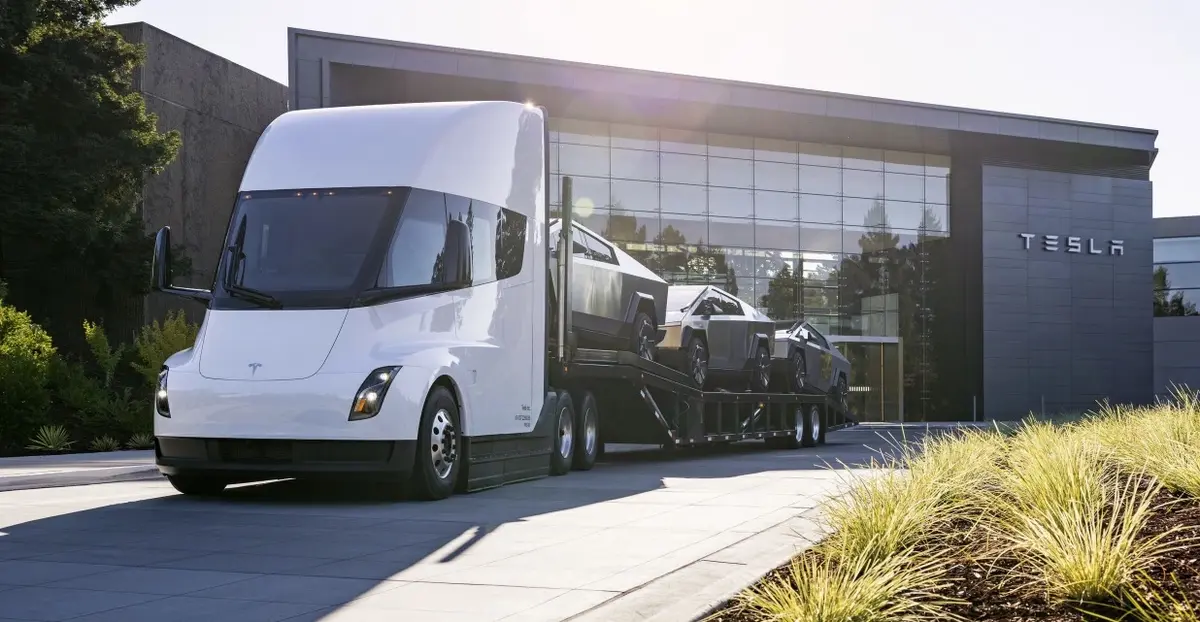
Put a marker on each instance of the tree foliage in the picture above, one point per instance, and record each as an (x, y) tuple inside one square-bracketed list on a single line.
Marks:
[(76, 144)]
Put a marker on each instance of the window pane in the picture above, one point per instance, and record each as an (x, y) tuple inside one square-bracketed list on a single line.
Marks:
[(937, 190), (730, 202), (681, 199), (554, 157), (556, 190), (820, 208), (483, 219), (936, 218), (820, 238), (820, 180), (691, 169), (904, 187), (594, 219), (864, 212), (413, 256), (638, 196), (776, 205), (822, 300), (630, 164), (937, 165), (873, 239), (583, 160), (682, 229), (634, 137), (865, 184), (731, 232), (904, 162), (771, 150), (775, 176), (729, 146), (730, 172), (1177, 302), (580, 132), (776, 234), (862, 159), (1176, 249), (819, 155), (682, 141), (903, 214), (588, 192), (510, 236), (1181, 276), (630, 227)]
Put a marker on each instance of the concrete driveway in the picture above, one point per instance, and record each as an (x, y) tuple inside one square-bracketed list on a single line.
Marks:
[(640, 535)]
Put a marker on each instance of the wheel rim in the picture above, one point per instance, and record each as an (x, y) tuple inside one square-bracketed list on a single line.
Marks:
[(566, 433), (589, 431), (444, 444), (798, 363), (814, 427), (764, 369), (645, 349), (699, 366)]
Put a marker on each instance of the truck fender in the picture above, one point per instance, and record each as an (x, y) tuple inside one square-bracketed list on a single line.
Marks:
[(634, 302)]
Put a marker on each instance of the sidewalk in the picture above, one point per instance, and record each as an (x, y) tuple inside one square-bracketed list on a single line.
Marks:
[(76, 469)]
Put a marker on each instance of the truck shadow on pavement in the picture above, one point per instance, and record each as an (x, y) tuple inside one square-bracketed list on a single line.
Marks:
[(293, 550)]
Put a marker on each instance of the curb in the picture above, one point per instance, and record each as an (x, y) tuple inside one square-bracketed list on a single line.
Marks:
[(80, 477), (711, 581)]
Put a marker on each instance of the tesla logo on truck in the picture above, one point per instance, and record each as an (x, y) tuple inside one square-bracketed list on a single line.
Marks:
[(1074, 244), (254, 368)]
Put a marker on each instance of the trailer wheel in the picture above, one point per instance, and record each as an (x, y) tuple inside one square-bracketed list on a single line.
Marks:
[(438, 447), (587, 423), (814, 427), (197, 485), (563, 443)]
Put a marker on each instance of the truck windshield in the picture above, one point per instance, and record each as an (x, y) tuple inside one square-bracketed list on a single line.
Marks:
[(307, 248)]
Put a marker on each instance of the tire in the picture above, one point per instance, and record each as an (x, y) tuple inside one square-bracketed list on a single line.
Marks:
[(796, 438), (643, 334), (697, 362), (842, 397), (436, 468), (799, 372), (197, 485), (760, 379), (814, 427), (562, 443), (587, 427)]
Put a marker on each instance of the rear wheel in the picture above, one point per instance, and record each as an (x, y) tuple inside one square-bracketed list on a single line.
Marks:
[(436, 469), (761, 381), (197, 485), (799, 369), (563, 445), (814, 427), (843, 393), (697, 362), (587, 426), (643, 336)]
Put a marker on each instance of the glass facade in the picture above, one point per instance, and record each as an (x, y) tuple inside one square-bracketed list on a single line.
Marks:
[(1176, 276), (845, 237)]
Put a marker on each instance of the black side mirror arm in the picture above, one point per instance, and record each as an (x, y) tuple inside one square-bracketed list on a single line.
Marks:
[(160, 271)]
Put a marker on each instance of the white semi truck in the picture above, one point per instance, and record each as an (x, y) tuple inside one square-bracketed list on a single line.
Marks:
[(385, 308)]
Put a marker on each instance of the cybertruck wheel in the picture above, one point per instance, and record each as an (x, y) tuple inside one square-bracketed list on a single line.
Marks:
[(197, 485), (697, 362), (438, 447), (843, 393), (760, 382), (799, 375), (643, 336)]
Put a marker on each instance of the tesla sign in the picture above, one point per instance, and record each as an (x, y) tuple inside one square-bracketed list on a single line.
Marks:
[(1074, 244)]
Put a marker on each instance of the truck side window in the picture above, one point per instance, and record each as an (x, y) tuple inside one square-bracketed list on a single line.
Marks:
[(482, 219), (510, 242), (412, 258), (598, 250), (727, 305)]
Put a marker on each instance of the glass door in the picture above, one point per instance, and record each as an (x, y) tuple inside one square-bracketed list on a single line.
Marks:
[(876, 373)]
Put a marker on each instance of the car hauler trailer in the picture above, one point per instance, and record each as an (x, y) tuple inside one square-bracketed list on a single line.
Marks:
[(385, 308)]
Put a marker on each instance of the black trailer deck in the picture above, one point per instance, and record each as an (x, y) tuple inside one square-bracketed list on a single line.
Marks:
[(644, 402)]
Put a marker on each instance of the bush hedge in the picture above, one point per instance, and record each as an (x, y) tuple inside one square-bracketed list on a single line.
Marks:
[(52, 403)]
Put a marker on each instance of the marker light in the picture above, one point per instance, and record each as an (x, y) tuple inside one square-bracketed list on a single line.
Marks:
[(369, 398), (161, 405)]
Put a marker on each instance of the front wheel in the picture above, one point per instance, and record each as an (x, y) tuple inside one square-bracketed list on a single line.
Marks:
[(799, 372), (438, 445), (643, 336), (843, 393), (761, 381), (697, 362), (197, 485)]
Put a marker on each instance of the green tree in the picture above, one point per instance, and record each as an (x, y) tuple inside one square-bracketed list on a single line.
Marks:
[(76, 144)]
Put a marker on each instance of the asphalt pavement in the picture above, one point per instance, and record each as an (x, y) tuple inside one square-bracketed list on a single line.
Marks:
[(643, 536)]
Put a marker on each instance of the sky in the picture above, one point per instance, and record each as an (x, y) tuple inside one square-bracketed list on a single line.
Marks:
[(1103, 61)]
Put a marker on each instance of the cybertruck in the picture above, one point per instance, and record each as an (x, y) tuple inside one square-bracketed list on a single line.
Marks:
[(814, 364), (716, 339)]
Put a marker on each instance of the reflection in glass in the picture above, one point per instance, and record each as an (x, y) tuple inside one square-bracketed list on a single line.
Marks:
[(632, 164), (775, 176), (865, 184), (776, 205), (820, 208), (819, 180), (1169, 250), (904, 187), (731, 231), (730, 172), (684, 199), (638, 196), (684, 168), (730, 202), (583, 160)]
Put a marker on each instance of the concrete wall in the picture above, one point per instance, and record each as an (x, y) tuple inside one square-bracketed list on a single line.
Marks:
[(220, 108), (1069, 328)]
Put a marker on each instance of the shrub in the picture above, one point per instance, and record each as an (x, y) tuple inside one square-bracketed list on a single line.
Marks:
[(105, 443), (141, 441), (51, 438), (158, 342), (26, 352)]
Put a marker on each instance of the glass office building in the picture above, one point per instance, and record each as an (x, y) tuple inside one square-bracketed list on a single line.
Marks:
[(841, 236)]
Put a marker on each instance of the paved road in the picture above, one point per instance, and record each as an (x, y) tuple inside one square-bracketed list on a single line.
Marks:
[(598, 543)]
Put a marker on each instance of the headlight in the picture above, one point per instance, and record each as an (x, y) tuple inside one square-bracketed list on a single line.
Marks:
[(161, 405), (369, 398)]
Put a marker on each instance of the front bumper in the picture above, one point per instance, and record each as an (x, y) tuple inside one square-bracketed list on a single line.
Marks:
[(238, 459)]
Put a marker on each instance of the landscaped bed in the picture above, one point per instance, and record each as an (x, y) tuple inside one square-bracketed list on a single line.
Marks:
[(1097, 519)]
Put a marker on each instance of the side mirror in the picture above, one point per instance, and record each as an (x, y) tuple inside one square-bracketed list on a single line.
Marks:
[(456, 253), (160, 271), (160, 266)]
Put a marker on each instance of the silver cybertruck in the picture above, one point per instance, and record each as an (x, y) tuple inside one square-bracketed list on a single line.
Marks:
[(616, 302), (718, 340), (814, 364)]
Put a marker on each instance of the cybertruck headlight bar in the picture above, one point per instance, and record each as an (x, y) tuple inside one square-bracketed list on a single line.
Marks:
[(369, 398)]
